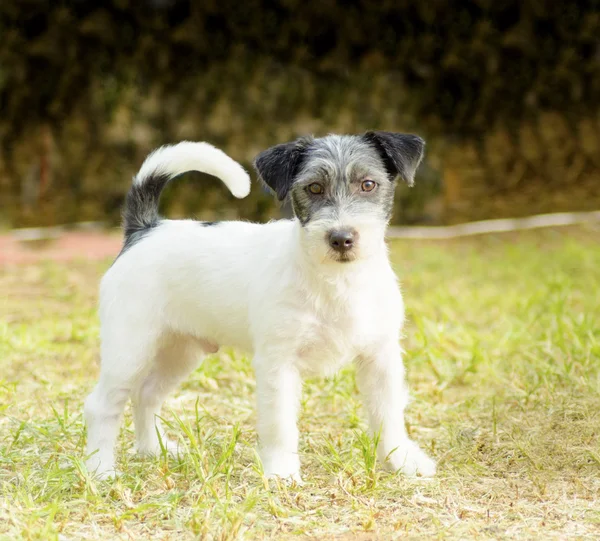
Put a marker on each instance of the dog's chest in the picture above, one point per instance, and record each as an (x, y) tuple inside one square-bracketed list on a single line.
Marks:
[(329, 335)]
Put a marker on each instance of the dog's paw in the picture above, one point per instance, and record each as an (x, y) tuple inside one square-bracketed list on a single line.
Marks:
[(102, 472), (156, 449), (411, 461), (107, 475), (285, 466), (101, 467), (291, 479), (171, 447)]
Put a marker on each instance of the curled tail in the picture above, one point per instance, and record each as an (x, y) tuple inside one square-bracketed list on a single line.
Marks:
[(167, 162)]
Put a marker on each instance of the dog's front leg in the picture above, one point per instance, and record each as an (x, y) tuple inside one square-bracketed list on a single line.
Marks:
[(278, 389), (380, 378)]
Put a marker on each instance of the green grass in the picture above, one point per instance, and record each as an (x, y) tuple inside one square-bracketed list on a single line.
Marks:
[(503, 356)]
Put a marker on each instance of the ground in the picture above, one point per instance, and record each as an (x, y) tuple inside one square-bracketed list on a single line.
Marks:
[(503, 356)]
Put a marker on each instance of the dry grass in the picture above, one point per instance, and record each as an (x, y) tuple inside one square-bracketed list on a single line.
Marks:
[(503, 353)]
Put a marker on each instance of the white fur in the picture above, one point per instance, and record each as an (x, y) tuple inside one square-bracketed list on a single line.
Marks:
[(187, 156), (186, 289)]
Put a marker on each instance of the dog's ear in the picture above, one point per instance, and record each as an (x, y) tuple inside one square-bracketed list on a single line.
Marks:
[(278, 166), (401, 152)]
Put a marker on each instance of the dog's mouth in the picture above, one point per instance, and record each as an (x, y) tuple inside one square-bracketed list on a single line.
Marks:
[(347, 257)]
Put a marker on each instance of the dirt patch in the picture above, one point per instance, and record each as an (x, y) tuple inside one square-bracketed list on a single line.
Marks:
[(63, 247)]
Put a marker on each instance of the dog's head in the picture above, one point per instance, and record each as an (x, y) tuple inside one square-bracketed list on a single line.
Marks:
[(341, 188)]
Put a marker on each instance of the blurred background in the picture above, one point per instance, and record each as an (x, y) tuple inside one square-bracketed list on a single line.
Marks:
[(505, 92)]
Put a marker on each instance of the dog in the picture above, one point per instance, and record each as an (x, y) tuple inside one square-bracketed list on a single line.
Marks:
[(304, 296)]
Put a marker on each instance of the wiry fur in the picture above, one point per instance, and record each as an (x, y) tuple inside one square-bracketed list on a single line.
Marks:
[(278, 291)]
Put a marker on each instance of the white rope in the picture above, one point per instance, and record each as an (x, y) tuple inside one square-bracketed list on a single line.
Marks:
[(493, 226)]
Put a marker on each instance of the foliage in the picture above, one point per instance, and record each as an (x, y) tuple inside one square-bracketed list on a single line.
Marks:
[(466, 64), (121, 76)]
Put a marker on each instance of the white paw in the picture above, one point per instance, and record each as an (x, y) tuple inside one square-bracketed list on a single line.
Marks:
[(280, 465), (289, 479), (106, 475), (100, 469), (155, 449), (172, 447), (411, 461)]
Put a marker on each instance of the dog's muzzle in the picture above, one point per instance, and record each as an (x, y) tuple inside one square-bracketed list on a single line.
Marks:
[(342, 240)]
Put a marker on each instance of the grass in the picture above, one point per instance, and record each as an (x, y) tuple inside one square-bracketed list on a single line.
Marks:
[(503, 356)]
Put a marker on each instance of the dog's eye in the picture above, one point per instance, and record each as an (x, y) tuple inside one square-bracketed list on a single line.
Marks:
[(315, 188), (368, 185)]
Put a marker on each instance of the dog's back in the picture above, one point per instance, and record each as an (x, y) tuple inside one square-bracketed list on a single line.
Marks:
[(191, 277)]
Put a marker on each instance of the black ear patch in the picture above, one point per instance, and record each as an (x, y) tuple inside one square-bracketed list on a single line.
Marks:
[(278, 166), (401, 152)]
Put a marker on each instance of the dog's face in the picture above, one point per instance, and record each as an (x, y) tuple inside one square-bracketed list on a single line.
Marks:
[(341, 188)]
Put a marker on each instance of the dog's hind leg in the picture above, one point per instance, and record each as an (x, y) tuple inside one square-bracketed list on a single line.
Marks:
[(177, 357), (103, 411), (124, 359)]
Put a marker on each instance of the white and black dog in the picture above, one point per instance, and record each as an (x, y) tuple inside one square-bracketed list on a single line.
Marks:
[(303, 296)]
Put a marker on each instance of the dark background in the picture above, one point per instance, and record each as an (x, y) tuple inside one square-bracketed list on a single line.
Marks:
[(506, 94)]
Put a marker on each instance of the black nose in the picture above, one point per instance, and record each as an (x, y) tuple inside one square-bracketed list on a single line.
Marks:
[(342, 240)]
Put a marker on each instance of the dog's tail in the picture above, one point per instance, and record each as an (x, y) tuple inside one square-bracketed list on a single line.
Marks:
[(167, 162)]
